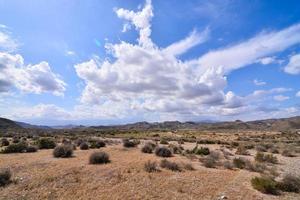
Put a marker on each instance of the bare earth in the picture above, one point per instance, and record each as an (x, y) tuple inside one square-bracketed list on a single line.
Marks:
[(40, 176)]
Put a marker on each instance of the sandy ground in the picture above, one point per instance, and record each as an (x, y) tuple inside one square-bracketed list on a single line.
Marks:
[(40, 176)]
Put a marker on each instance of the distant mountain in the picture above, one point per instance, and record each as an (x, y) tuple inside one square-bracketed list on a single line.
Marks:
[(26, 125), (268, 124), (69, 126), (7, 124)]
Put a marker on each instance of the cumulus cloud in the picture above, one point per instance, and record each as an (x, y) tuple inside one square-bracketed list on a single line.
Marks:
[(151, 79), (298, 94), (293, 67), (37, 78), (258, 82)]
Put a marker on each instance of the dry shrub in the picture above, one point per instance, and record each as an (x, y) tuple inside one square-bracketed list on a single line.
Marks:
[(209, 162), (169, 165), (5, 176), (262, 157), (290, 183), (4, 142), (201, 151), (99, 158), (151, 166), (63, 151), (188, 166), (129, 143), (84, 146), (163, 152), (176, 149), (148, 148), (163, 141), (288, 153), (228, 164), (239, 163), (241, 150)]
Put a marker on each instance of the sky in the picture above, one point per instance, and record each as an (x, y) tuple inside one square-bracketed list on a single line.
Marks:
[(115, 62)]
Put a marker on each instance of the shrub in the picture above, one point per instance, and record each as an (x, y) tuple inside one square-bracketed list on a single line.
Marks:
[(5, 176), (209, 162), (97, 144), (228, 164), (290, 183), (31, 149), (241, 150), (261, 157), (188, 166), (287, 153), (163, 152), (201, 151), (99, 158), (63, 151), (239, 163), (15, 140), (15, 148), (46, 143), (4, 142), (79, 141), (84, 146), (261, 148), (176, 149), (147, 148), (151, 166), (169, 165), (265, 185), (163, 141), (255, 167), (129, 143)]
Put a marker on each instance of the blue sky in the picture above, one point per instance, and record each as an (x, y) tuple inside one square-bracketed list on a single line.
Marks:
[(111, 62)]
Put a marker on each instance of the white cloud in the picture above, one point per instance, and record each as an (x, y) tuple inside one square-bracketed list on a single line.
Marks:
[(293, 67), (248, 52), (7, 43), (184, 45), (151, 79), (70, 53), (258, 82), (281, 98), (37, 78), (298, 94), (267, 60), (141, 20)]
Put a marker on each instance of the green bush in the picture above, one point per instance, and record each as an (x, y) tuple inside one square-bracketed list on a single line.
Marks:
[(99, 158), (163, 152), (15, 148), (265, 185), (201, 151), (97, 144), (63, 151), (31, 149), (5, 176), (46, 143)]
